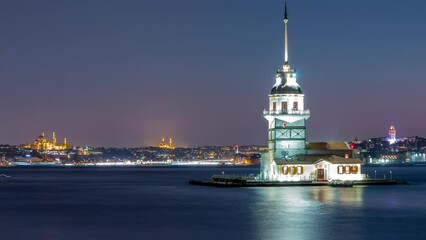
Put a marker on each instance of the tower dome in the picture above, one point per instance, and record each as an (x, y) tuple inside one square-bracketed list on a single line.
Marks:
[(286, 89), (286, 82)]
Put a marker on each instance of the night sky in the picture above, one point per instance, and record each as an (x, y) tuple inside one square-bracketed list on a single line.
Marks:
[(126, 73)]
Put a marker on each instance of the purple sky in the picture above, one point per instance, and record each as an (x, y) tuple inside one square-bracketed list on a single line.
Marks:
[(126, 73)]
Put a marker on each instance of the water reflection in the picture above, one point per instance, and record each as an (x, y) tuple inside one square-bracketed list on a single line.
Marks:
[(348, 196), (303, 212)]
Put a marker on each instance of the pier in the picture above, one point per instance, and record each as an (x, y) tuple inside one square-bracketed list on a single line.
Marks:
[(252, 181)]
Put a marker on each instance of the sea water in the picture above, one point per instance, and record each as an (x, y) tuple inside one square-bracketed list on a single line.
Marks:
[(158, 203)]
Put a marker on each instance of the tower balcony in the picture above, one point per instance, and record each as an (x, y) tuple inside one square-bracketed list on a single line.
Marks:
[(286, 112)]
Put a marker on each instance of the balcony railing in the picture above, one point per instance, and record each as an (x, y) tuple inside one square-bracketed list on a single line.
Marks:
[(284, 111)]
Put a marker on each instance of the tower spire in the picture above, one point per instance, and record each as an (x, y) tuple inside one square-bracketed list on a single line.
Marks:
[(285, 35), (285, 10)]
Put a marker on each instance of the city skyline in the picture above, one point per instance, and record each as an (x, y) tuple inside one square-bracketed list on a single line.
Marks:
[(127, 74)]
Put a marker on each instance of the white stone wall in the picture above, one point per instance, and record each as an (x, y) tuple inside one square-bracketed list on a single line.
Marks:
[(310, 172), (307, 175), (267, 166), (334, 175)]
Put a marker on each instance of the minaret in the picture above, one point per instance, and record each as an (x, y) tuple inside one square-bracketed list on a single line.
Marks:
[(286, 116), (170, 143), (54, 139)]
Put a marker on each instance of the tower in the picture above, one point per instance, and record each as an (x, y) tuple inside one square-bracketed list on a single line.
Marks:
[(286, 115), (54, 139), (392, 134)]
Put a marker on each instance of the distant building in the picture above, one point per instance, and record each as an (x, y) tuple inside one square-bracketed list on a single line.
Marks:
[(289, 157), (392, 134), (163, 144), (390, 150), (41, 143), (248, 156)]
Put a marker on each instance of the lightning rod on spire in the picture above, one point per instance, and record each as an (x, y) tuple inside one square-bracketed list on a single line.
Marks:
[(285, 35)]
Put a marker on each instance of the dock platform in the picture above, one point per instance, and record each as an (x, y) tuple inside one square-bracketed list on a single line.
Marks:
[(239, 182)]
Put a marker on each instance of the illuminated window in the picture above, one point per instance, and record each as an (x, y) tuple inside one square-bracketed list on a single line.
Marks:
[(295, 106), (293, 171), (347, 170), (274, 106), (284, 106), (299, 170), (340, 169), (346, 155), (285, 170)]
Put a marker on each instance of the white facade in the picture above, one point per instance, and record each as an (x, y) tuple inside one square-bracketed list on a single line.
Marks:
[(320, 170)]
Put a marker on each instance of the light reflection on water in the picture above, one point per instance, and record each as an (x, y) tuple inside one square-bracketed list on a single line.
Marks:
[(302, 212), (346, 196)]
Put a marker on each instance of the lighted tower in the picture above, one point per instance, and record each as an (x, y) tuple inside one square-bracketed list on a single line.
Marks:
[(54, 139), (392, 134), (286, 115)]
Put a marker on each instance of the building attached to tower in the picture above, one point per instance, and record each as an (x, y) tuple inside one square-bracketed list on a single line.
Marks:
[(290, 157)]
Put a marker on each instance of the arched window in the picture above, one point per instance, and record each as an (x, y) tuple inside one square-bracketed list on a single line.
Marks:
[(285, 170), (284, 106), (295, 105), (292, 170), (340, 169), (347, 169), (299, 170)]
